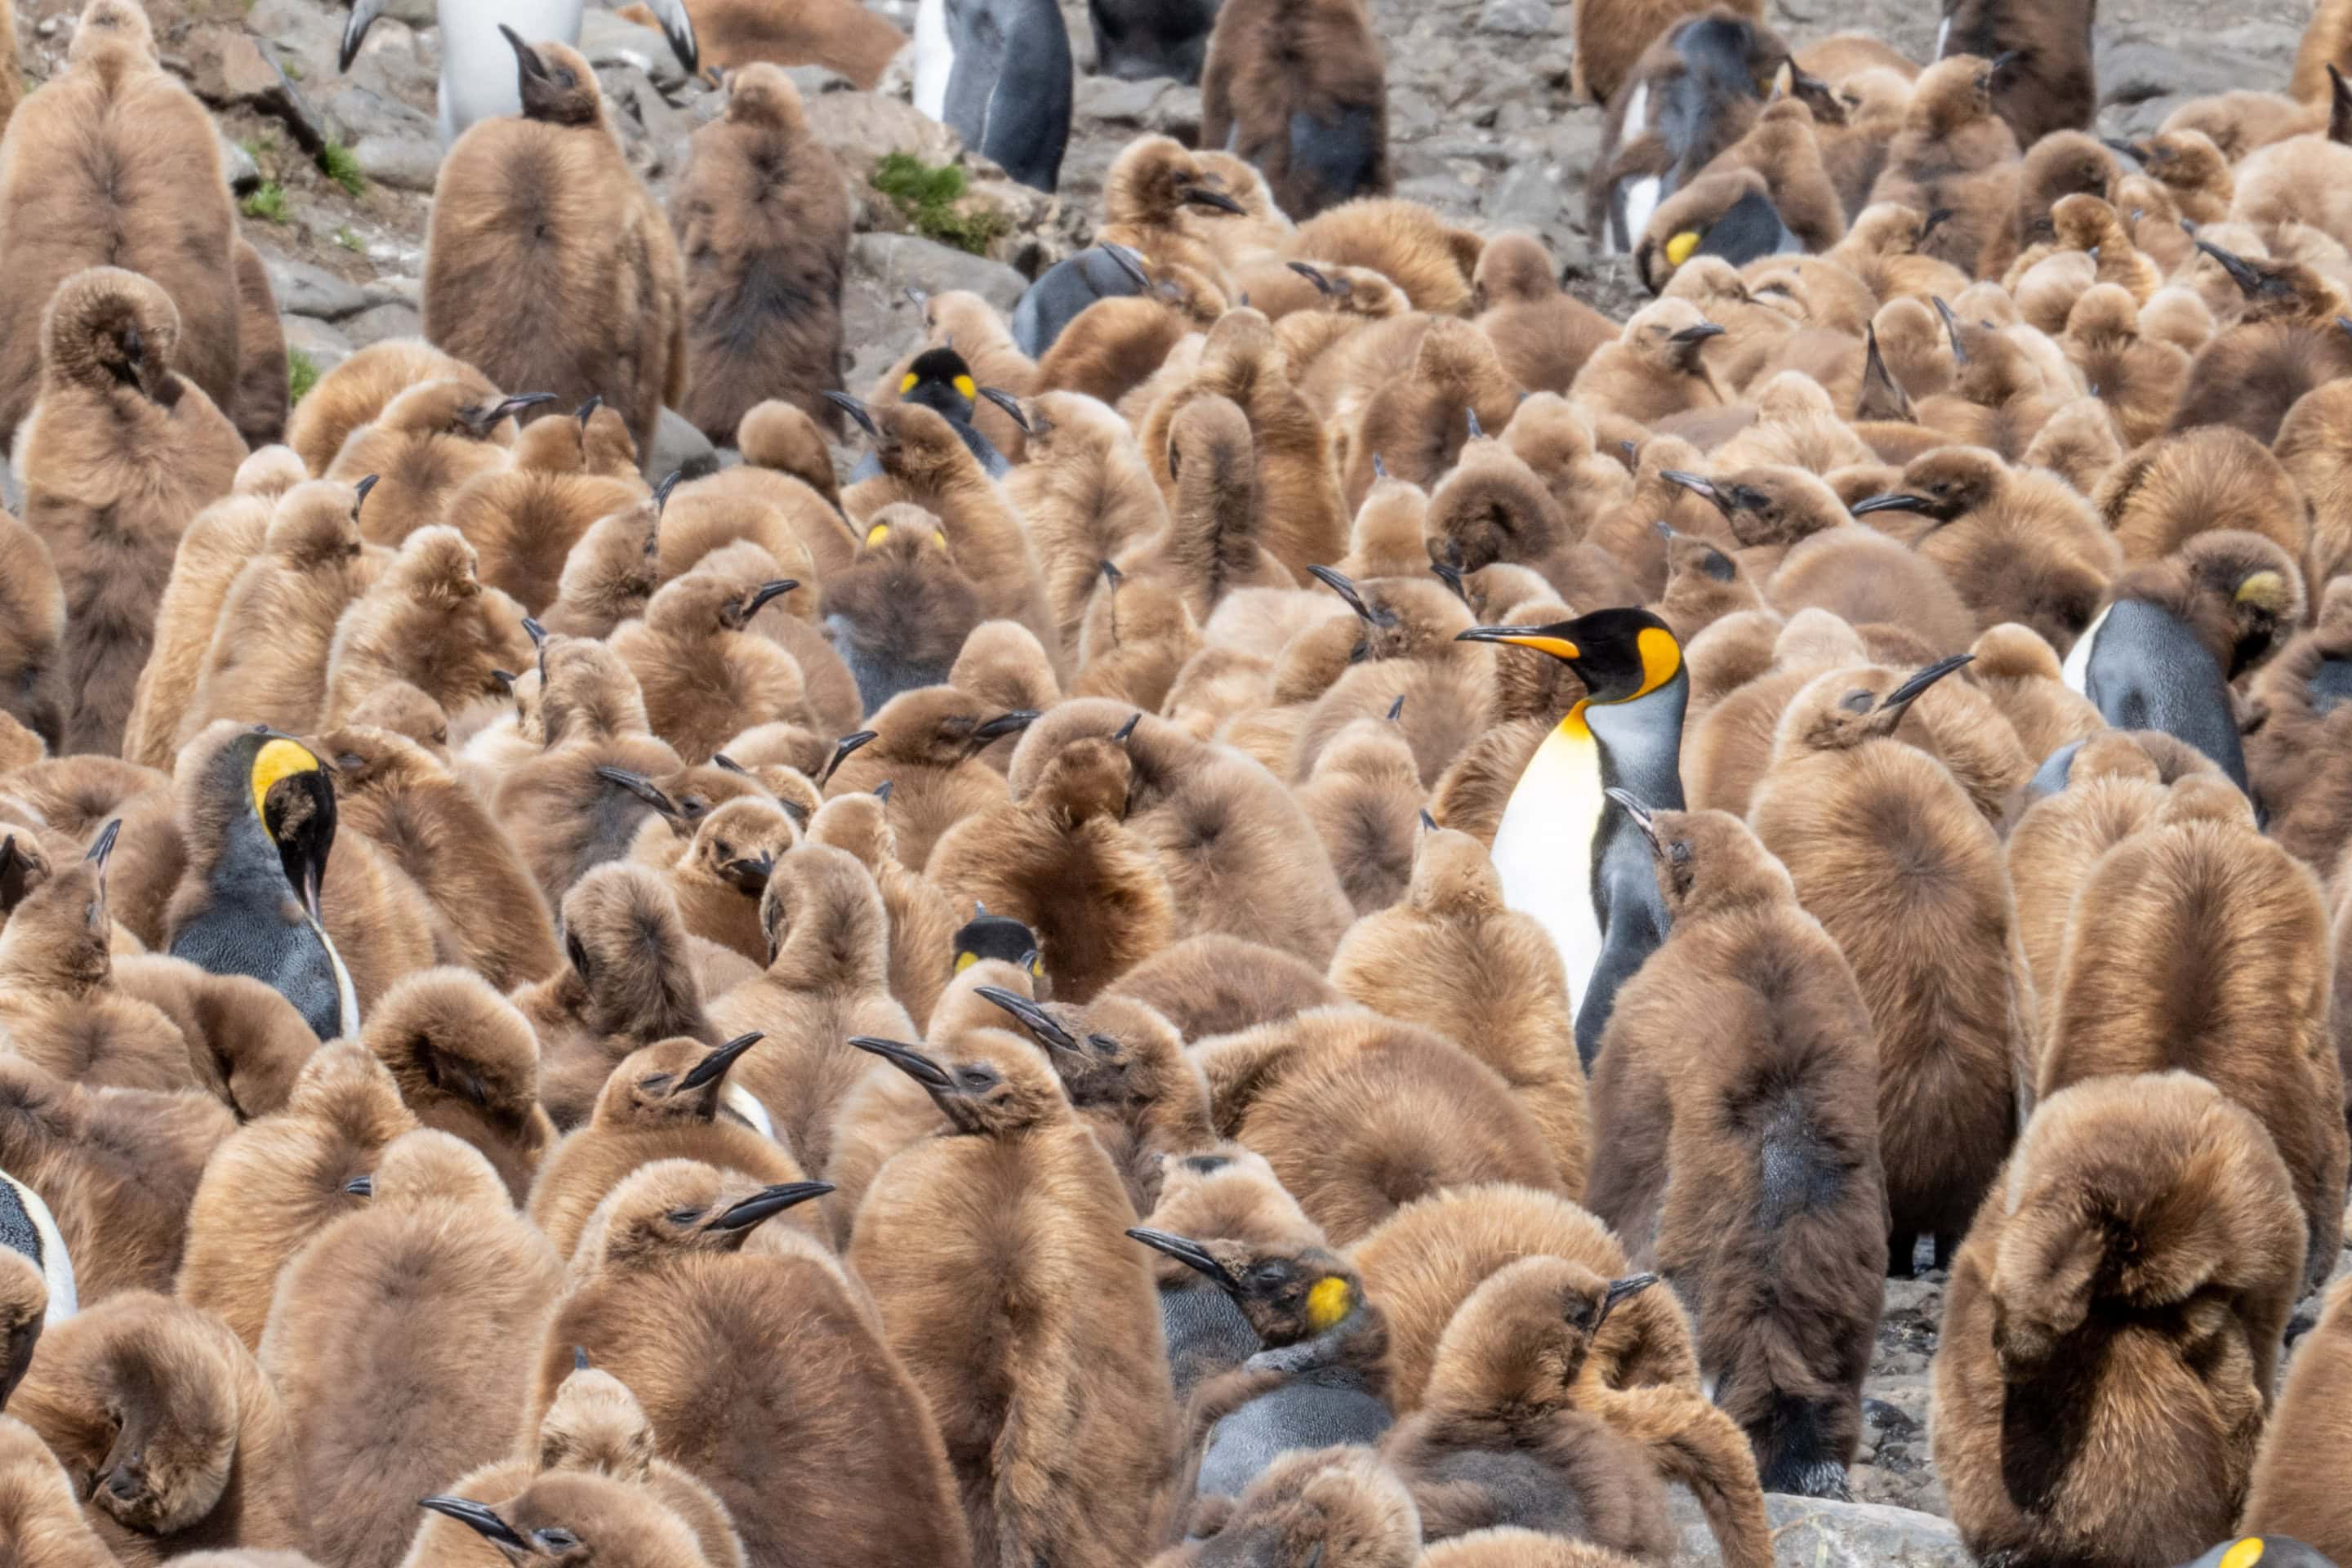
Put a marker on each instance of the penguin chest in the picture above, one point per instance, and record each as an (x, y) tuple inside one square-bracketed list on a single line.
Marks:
[(1545, 849)]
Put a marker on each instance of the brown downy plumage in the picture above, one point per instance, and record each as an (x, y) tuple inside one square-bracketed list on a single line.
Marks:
[(680, 1244), (1450, 957), (1213, 541), (113, 165), (1736, 1110), (1341, 1507), (246, 1042), (927, 746), (2312, 455), (121, 454), (1514, 1428), (1492, 506), (1404, 241), (525, 519), (705, 671), (1863, 577), (1215, 984), (1384, 540), (423, 445), (448, 1290), (1364, 794), (721, 872), (547, 264), (1013, 1417), (1127, 347), (2020, 672), (41, 1513), (263, 395), (902, 609), (2259, 1034), (763, 219), (1954, 152), (1159, 201), (922, 923), (1654, 369), (1881, 249), (2122, 1293), (1271, 68), (628, 984), (2171, 490), (828, 979), (1003, 665), (2296, 1486), (2111, 792), (359, 389), (1325, 1095), (427, 620), (976, 332), (466, 1061), (1843, 801), (1455, 388), (2287, 341), (847, 38), (164, 1423), (1064, 862), (1703, 586), (2292, 756), (592, 1515), (33, 612), (2138, 377), (1085, 493), (278, 1181)]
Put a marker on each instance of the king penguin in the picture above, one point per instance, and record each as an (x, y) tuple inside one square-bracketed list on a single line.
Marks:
[(1064, 289), (258, 828), (2144, 668), (999, 71), (941, 382), (2267, 1551), (1568, 853), (27, 1227), (478, 70)]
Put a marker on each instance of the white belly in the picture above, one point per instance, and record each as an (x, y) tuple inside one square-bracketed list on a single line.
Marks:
[(2076, 670), (57, 1264), (934, 57), (347, 1001), (1543, 851), (477, 65), (1943, 37)]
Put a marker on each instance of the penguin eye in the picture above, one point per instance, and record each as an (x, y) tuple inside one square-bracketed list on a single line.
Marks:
[(1857, 701), (977, 1077), (1269, 1276), (578, 950), (565, 79), (726, 851), (1678, 852), (684, 1216), (655, 1083), (555, 1541)]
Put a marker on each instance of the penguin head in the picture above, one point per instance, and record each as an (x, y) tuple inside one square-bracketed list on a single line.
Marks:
[(941, 381), (2085, 221), (677, 1079), (1111, 1052), (1453, 878), (428, 1166), (984, 1081), (1846, 708), (112, 333), (455, 406), (914, 443), (1085, 780), (596, 1424), (557, 84), (823, 919), (739, 844), (1514, 269), (316, 526), (290, 797), (1618, 653), (1728, 216), (113, 27), (1669, 335), (943, 726), (761, 94), (631, 973), (674, 1207), (1288, 1294), (999, 937), (1943, 485), (450, 1040), (574, 1518), (59, 936), (1707, 860), (1521, 1338), (156, 1368), (1491, 507), (1691, 560), (712, 598), (2261, 1551), (1156, 180)]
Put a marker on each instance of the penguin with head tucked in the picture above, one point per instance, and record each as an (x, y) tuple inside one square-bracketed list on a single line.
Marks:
[(1566, 851)]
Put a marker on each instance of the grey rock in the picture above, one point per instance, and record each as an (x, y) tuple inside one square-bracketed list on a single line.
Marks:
[(1526, 196), (901, 262), (304, 288), (404, 162), (1818, 1533), (1441, 191), (675, 445), (861, 127), (1914, 1297), (244, 174), (1522, 18), (654, 133), (608, 40), (326, 347), (2131, 69), (377, 322), (357, 113)]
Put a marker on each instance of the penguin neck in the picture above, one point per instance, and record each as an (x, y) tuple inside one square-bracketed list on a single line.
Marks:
[(1640, 741)]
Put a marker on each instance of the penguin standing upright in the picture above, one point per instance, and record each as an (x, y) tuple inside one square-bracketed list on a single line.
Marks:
[(1007, 83), (1568, 853), (942, 381), (2144, 667)]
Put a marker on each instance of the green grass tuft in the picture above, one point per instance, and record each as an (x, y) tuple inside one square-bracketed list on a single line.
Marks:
[(291, 66), (301, 374), (267, 204), (351, 241), (927, 197), (343, 166)]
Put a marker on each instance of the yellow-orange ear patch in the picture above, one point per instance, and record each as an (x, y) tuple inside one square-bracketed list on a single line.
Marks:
[(1679, 248), (965, 961), (1662, 656), (907, 384), (1328, 1302), (877, 534), (2244, 1555), (278, 759), (968, 387)]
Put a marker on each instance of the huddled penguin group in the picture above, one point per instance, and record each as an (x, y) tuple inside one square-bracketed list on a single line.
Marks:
[(1300, 906)]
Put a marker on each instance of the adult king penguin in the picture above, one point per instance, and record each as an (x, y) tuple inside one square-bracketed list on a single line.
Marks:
[(1568, 853), (477, 69)]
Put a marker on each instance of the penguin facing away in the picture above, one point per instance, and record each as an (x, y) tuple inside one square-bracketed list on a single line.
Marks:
[(1568, 853), (1008, 84)]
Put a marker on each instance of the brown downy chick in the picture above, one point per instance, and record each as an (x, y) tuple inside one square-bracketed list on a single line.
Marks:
[(1430, 260), (1796, 426), (1343, 301), (1769, 1221), (1999, 398), (1883, 248), (922, 923), (705, 672), (448, 1289), (686, 1245), (2019, 670), (927, 746), (1654, 369), (611, 573), (524, 520), (722, 872), (1064, 862), (1703, 585), (2205, 864), (2287, 343), (578, 1517), (1542, 333), (1336, 1507), (466, 1061), (2122, 1292), (1016, 1143), (120, 457), (280, 1179), (1364, 794), (1086, 494), (1217, 1192), (1451, 957), (828, 978), (422, 447), (1125, 348), (671, 1100), (1492, 507), (1216, 985), (161, 1419), (40, 1515), (2173, 489), (2292, 757), (1843, 801), (1514, 1429), (33, 609), (1003, 665), (2137, 377), (1457, 388), (1954, 152), (2308, 449), (1768, 510), (628, 984), (427, 620), (549, 190), (359, 389), (1385, 538), (2239, 122), (1213, 544), (2111, 791), (763, 221), (1863, 577), (2056, 168), (2193, 172), (2294, 1484)]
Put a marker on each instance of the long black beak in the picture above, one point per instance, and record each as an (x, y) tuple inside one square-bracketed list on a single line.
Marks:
[(856, 410), (768, 1203), (1004, 724), (768, 593), (1903, 695), (1379, 467), (1110, 572), (662, 491), (1937, 218), (906, 1058), (749, 876), (588, 410), (101, 848), (2000, 63), (643, 788), (1697, 334), (1012, 406), (1478, 432), (1322, 285), (1952, 327), (1705, 489), (2249, 281), (1893, 500), (1638, 812), (360, 494), (1130, 262), (1396, 708), (534, 631), (1450, 574), (1126, 731), (481, 1520), (360, 1186), (1202, 197), (841, 750), (1190, 1254), (1343, 585), (1620, 1290), (1034, 1018), (713, 1067)]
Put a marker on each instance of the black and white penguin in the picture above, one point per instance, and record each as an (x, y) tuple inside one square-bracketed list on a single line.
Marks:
[(1138, 38), (999, 72), (2143, 668), (1067, 288)]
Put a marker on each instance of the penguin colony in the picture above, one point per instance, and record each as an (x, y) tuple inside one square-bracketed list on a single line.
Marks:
[(1335, 914)]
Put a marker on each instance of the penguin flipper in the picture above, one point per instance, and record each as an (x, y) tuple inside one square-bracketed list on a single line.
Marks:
[(1341, 155), (355, 31), (678, 28)]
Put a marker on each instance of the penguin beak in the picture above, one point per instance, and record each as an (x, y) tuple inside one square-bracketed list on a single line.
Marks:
[(479, 422), (1202, 197), (360, 494), (1620, 1290), (768, 1203), (527, 59), (1935, 220), (677, 29), (481, 1520), (1032, 1017), (906, 1058), (1323, 286), (1379, 467), (1005, 724), (1702, 487), (1639, 812), (1346, 588), (360, 1186), (1903, 695), (841, 750), (1952, 327), (1130, 263), (750, 876), (1428, 823), (857, 410), (1111, 574), (643, 788), (355, 32), (1451, 575), (767, 593), (712, 1067), (588, 409), (535, 632), (662, 491), (1697, 334), (1126, 731), (2001, 62), (1396, 710), (1190, 1254), (2249, 281), (1893, 500), (1012, 406), (101, 848), (1543, 639)]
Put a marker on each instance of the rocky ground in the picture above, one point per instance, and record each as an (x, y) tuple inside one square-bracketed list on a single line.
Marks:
[(1485, 130)]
